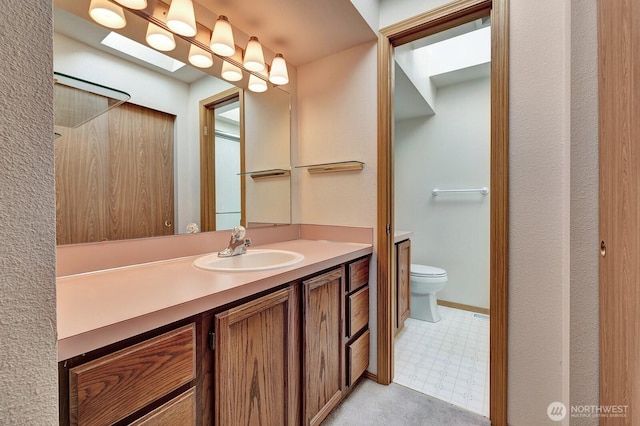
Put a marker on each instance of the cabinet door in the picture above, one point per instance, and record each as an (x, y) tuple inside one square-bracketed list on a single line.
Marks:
[(323, 348), (257, 362), (403, 281)]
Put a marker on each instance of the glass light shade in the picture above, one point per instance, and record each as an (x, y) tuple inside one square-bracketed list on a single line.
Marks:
[(279, 74), (107, 14), (222, 38), (231, 72), (133, 4), (200, 57), (181, 19), (253, 56), (257, 84), (159, 38)]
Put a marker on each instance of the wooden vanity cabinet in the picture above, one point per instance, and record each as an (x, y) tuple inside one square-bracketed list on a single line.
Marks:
[(257, 361), (356, 336), (403, 283), (151, 382), (323, 344)]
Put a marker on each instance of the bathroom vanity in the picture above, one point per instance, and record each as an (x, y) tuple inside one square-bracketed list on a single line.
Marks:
[(277, 347), (403, 279)]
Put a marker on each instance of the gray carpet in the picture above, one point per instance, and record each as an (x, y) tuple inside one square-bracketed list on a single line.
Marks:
[(372, 404)]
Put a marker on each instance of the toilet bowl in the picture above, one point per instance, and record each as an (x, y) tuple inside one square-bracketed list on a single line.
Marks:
[(425, 282)]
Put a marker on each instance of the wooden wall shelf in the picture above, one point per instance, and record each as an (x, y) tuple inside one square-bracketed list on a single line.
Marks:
[(267, 174), (340, 166)]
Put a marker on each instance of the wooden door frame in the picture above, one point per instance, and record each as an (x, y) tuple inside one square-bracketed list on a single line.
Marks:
[(445, 17), (208, 158)]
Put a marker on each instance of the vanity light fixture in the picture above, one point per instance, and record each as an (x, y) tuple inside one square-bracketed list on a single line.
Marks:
[(256, 84), (159, 38), (181, 18), (253, 56), (222, 38), (231, 72), (279, 74), (200, 57), (133, 4), (107, 14)]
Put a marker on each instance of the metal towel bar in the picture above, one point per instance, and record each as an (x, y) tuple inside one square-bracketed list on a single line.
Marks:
[(484, 191)]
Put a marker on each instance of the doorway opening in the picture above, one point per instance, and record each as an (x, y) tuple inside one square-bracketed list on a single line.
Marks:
[(222, 190), (438, 20), (441, 178)]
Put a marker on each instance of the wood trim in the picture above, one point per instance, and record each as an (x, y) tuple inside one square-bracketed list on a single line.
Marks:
[(464, 307), (448, 16), (208, 155), (385, 211), (431, 22), (370, 376), (499, 245)]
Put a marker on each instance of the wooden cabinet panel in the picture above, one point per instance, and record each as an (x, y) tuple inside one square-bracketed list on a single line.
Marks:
[(323, 344), (358, 274), (110, 388), (358, 311), (181, 410), (256, 355), (357, 358), (403, 283)]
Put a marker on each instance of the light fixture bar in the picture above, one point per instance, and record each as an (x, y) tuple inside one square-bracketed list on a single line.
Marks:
[(264, 75)]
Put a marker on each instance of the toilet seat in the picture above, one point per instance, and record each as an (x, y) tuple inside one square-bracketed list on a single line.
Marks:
[(427, 271)]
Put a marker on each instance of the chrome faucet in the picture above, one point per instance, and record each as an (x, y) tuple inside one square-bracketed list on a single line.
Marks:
[(237, 244)]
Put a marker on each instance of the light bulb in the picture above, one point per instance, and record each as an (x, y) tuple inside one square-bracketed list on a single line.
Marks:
[(256, 84), (134, 4), (108, 14), (222, 38), (181, 19), (279, 74), (159, 38), (200, 57), (231, 72), (253, 56)]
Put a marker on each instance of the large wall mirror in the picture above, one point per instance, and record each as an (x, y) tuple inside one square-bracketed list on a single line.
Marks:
[(187, 150)]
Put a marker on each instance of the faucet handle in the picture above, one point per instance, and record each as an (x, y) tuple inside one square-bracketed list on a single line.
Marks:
[(238, 233), (247, 242)]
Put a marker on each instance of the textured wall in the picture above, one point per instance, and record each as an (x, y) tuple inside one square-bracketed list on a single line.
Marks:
[(337, 121), (539, 209), (28, 389), (584, 206)]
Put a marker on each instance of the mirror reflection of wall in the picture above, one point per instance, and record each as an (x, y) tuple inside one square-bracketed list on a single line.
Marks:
[(177, 95)]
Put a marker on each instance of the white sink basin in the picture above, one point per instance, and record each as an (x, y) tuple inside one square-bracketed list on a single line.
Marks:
[(252, 260)]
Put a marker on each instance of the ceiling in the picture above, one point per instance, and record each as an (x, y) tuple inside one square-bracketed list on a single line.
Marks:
[(302, 30)]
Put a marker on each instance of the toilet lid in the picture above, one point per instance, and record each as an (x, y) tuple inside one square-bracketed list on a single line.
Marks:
[(426, 270)]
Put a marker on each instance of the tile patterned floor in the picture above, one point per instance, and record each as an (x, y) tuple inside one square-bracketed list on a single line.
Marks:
[(448, 360)]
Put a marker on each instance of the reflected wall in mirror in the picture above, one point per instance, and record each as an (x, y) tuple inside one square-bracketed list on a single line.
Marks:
[(135, 171)]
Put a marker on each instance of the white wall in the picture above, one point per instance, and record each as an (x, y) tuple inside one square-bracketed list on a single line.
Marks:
[(267, 146), (448, 150), (28, 358), (337, 121)]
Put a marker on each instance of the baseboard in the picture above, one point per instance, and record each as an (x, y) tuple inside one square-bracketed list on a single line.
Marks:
[(371, 376), (463, 307)]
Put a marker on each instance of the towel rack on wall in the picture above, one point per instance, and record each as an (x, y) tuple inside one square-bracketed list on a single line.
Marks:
[(484, 191)]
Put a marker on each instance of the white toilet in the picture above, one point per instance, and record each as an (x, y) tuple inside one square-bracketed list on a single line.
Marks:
[(425, 282)]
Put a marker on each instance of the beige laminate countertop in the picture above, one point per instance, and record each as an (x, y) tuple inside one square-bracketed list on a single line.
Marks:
[(99, 308)]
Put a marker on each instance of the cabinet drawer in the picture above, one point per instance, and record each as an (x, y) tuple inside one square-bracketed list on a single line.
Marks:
[(110, 388), (181, 410), (357, 358), (358, 274), (358, 311)]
